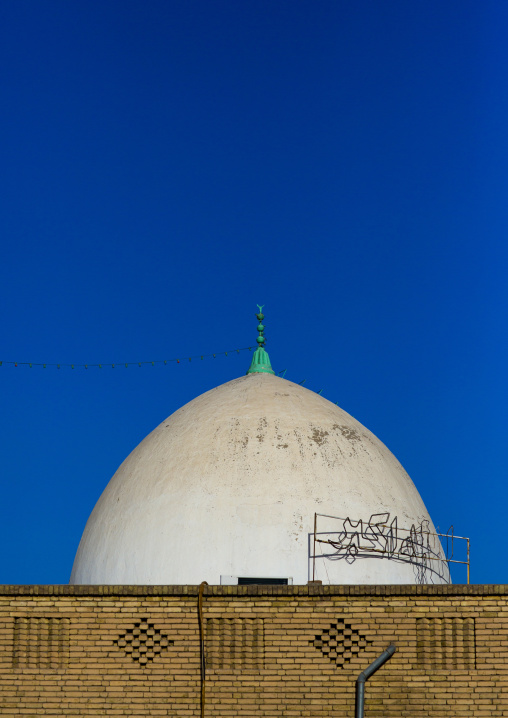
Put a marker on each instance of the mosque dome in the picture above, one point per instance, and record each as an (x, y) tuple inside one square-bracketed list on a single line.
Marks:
[(227, 490)]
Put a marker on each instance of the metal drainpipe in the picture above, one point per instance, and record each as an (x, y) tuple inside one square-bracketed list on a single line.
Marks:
[(366, 674)]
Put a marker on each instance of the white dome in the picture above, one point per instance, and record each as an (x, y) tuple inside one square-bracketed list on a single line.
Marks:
[(228, 487)]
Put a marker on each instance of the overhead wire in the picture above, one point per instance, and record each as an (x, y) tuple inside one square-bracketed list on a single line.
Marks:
[(113, 365)]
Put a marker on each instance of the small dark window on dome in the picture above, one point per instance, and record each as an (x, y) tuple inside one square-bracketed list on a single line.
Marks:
[(262, 581)]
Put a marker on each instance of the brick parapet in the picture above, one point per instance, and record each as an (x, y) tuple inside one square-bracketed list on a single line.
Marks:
[(270, 650), (258, 590)]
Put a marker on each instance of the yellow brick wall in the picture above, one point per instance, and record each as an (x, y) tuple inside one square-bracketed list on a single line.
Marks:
[(270, 651)]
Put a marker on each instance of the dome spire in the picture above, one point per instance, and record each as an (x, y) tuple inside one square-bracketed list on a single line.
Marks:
[(260, 363)]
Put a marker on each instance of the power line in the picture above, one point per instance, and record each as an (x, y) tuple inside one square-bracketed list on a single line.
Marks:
[(113, 365)]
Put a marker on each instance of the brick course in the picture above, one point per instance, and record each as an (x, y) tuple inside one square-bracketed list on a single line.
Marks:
[(270, 650)]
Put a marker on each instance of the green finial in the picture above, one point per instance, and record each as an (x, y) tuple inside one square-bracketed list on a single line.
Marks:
[(260, 361)]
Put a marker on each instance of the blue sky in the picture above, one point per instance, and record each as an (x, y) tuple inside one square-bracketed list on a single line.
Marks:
[(168, 165)]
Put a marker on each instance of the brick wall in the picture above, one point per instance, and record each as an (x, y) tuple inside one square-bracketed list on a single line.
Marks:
[(270, 650)]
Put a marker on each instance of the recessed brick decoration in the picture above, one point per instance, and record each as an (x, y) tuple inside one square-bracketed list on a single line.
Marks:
[(234, 643), (40, 642), (341, 642), (446, 643), (143, 642)]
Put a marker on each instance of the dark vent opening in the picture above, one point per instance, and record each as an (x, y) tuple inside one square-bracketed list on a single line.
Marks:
[(263, 581)]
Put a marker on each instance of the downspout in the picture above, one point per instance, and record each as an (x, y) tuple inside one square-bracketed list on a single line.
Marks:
[(366, 674), (202, 658)]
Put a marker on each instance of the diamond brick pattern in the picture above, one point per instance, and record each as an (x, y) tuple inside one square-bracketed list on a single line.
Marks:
[(143, 642), (341, 642)]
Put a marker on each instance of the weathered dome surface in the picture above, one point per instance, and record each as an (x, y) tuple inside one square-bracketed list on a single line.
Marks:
[(229, 484)]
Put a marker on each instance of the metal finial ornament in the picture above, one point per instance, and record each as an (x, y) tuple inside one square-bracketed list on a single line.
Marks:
[(260, 361), (261, 328)]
